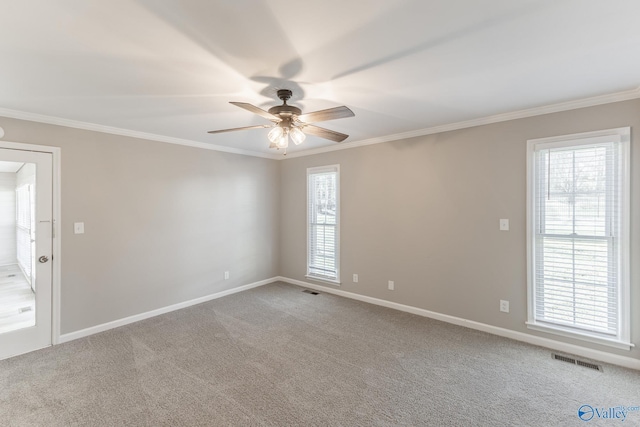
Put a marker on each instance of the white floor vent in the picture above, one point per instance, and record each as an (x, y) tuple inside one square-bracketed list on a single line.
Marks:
[(576, 361)]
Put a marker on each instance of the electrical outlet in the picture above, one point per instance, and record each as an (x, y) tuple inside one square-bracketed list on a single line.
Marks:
[(504, 306), (355, 278), (392, 285), (226, 275)]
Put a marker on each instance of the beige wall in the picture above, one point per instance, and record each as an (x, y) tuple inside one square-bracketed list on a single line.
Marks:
[(162, 222), (424, 212)]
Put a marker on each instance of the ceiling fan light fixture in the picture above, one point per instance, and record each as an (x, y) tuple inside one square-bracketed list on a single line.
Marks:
[(297, 136), (283, 142), (275, 134)]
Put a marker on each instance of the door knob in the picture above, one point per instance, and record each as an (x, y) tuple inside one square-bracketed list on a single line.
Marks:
[(43, 259)]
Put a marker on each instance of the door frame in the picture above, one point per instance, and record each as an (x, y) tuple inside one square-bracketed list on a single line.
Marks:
[(56, 231)]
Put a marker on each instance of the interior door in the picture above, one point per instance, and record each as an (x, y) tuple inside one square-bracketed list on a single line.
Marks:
[(25, 283)]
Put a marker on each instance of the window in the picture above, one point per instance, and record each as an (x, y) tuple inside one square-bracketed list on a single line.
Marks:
[(578, 236), (25, 226), (323, 232)]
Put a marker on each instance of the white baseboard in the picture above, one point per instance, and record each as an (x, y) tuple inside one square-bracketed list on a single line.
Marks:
[(602, 356), (142, 316)]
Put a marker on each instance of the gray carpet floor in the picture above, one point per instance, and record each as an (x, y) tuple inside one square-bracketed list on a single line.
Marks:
[(275, 356)]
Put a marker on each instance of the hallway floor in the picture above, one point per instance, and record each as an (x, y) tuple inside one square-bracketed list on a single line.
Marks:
[(17, 300)]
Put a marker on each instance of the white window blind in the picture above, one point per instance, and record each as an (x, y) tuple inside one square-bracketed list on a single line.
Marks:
[(578, 202), (24, 219), (323, 223)]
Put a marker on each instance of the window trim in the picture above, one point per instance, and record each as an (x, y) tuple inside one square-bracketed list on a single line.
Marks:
[(623, 339), (320, 169)]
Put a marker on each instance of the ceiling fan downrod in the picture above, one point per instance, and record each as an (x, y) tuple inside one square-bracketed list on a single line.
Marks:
[(284, 95)]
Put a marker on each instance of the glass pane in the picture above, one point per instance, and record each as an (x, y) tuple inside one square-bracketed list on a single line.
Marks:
[(325, 198), (17, 246), (574, 194), (591, 215), (577, 287), (323, 258), (558, 214), (323, 225)]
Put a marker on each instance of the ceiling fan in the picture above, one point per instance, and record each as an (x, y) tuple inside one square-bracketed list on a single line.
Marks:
[(289, 122)]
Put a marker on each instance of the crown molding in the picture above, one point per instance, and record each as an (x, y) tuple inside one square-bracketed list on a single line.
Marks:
[(520, 114), (40, 118)]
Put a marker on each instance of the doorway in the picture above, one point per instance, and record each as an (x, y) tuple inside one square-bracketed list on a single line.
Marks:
[(26, 250)]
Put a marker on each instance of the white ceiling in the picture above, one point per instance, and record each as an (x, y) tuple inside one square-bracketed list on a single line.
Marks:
[(169, 67)]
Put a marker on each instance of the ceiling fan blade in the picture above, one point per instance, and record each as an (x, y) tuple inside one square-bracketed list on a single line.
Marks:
[(324, 133), (256, 110), (243, 128), (328, 114)]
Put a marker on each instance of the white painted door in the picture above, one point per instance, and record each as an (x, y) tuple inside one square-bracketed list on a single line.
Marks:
[(25, 281)]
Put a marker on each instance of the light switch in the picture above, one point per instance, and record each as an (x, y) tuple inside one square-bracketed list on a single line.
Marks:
[(504, 225), (78, 227)]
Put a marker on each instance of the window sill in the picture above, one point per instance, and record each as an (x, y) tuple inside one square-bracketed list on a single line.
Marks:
[(323, 279), (569, 333)]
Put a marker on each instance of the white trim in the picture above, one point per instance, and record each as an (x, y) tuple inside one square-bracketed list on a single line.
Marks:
[(58, 121), (614, 359), (620, 135), (57, 246), (57, 234), (530, 215), (320, 279), (588, 137), (497, 118), (315, 170), (521, 114), (570, 333), (624, 299), (142, 316)]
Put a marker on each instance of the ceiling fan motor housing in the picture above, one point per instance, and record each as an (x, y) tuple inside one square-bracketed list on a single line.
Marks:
[(285, 110)]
